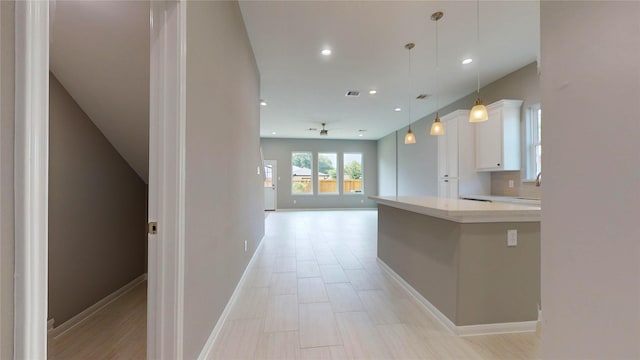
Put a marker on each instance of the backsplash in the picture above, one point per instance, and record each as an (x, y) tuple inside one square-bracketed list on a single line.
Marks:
[(500, 185)]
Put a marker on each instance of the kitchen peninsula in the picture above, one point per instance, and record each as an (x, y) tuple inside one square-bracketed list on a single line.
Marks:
[(454, 256)]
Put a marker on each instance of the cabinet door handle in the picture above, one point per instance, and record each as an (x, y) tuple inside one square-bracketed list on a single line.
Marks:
[(446, 175), (446, 181)]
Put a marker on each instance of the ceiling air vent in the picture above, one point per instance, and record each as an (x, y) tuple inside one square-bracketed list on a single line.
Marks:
[(422, 96), (354, 93)]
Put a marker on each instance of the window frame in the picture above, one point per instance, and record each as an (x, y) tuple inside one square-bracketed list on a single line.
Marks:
[(362, 191), (532, 134), (337, 165), (311, 193)]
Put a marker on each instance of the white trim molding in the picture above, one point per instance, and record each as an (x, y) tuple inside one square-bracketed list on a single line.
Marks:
[(465, 330), (31, 177), (207, 350), (93, 309), (167, 180)]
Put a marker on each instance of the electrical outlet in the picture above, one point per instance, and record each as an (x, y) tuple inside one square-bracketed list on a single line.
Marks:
[(245, 246), (295, 201), (258, 170), (361, 201), (510, 184), (512, 237)]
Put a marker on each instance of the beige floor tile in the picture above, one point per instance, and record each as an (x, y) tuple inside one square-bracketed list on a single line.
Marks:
[(379, 307), (311, 290), (361, 280), (283, 284), (318, 326), (326, 259), (252, 303), (343, 298), (521, 346), (308, 268), (285, 264), (324, 353), (260, 277), (333, 274), (360, 337), (305, 253), (282, 314), (238, 339), (348, 261), (402, 343), (278, 346)]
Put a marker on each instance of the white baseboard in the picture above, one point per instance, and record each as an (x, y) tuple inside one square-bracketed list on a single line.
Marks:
[(329, 209), (465, 330), (207, 350), (91, 310)]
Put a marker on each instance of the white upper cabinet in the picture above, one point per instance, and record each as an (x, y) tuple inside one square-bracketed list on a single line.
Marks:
[(456, 160), (498, 139)]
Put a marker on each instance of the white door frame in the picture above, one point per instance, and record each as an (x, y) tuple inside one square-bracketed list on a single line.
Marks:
[(166, 182), (31, 178), (274, 180)]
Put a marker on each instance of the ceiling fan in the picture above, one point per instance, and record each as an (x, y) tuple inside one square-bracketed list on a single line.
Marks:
[(323, 131)]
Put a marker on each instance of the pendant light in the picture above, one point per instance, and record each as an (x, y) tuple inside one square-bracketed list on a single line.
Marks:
[(479, 111), (410, 137), (437, 128)]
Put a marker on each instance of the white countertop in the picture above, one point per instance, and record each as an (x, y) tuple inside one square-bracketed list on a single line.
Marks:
[(462, 211)]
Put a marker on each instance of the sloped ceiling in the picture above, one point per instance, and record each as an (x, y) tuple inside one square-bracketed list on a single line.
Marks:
[(100, 53)]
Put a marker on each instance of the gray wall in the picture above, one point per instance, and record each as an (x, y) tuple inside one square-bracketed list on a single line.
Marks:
[(281, 149), (224, 195), (97, 212), (6, 178), (590, 80), (418, 165), (387, 165)]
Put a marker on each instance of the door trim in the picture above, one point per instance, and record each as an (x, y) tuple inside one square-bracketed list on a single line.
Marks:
[(31, 178), (165, 307)]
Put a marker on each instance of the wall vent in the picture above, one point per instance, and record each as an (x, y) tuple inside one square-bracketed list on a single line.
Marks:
[(422, 96), (354, 93)]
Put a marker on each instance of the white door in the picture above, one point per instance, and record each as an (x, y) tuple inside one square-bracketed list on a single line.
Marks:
[(270, 184)]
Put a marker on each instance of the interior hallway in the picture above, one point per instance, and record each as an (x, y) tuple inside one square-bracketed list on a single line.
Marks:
[(316, 291)]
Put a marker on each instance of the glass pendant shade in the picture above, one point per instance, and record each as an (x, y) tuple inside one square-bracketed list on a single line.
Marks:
[(410, 138), (437, 128), (478, 112)]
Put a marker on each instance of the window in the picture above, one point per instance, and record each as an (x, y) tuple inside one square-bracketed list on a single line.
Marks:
[(301, 174), (534, 141), (327, 173), (352, 173)]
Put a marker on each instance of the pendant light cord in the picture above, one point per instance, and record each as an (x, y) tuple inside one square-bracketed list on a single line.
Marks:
[(478, 45), (437, 73), (409, 88)]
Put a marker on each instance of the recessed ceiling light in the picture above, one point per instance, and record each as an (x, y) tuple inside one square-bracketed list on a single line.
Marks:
[(361, 134), (397, 109), (273, 133), (467, 61), (326, 52), (263, 103), (373, 92)]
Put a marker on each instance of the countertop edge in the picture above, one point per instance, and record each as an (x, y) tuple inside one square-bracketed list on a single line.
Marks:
[(464, 216)]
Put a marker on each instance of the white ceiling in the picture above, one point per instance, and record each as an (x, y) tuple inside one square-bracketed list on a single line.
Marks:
[(304, 88), (100, 53)]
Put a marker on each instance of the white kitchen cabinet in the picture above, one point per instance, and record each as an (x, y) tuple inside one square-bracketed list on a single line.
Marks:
[(497, 140), (456, 159)]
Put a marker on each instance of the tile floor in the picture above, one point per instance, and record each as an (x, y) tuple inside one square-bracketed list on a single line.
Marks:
[(316, 291)]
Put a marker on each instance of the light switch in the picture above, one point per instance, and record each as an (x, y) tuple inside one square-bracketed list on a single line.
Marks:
[(510, 184), (512, 237), (258, 170)]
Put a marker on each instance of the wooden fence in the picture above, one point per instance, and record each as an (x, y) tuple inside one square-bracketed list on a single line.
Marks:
[(327, 186)]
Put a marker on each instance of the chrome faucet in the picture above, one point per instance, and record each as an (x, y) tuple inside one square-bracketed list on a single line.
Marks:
[(539, 179)]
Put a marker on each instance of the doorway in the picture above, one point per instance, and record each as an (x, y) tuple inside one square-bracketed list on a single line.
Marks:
[(270, 185)]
